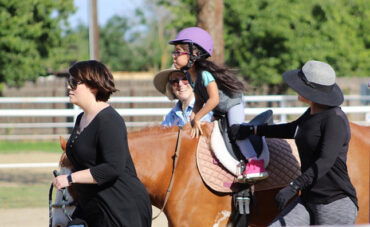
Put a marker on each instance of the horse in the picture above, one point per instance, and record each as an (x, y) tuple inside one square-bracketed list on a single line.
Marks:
[(192, 203), (59, 214)]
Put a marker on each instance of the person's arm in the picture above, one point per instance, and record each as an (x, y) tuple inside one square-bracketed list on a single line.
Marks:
[(197, 106), (210, 104), (212, 101), (113, 145), (83, 177), (285, 130)]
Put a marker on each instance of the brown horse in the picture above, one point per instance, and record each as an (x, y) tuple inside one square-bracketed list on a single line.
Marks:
[(192, 203)]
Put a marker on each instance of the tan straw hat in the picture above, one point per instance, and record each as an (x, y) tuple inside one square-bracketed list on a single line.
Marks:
[(160, 82)]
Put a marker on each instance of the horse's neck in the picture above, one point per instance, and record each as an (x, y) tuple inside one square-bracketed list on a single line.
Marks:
[(152, 151)]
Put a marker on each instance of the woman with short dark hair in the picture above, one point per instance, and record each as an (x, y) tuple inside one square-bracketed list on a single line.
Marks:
[(109, 191)]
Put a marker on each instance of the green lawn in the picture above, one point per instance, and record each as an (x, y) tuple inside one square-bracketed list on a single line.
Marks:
[(27, 188), (14, 147), (25, 196)]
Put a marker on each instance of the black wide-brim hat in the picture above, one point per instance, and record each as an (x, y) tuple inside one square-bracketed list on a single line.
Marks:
[(315, 82)]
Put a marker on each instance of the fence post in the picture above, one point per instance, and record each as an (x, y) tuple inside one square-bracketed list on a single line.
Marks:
[(283, 117)]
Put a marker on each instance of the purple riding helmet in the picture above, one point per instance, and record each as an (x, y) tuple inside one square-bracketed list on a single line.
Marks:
[(197, 36)]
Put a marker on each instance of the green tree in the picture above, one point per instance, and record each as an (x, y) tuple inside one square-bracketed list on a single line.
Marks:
[(30, 34), (135, 44), (268, 37), (74, 46)]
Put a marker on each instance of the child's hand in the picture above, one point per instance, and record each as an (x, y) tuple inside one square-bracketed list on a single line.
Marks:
[(192, 116), (196, 131)]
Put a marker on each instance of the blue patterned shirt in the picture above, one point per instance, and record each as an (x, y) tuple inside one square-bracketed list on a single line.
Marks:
[(178, 118)]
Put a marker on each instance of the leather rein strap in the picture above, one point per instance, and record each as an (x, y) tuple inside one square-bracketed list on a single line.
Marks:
[(175, 157)]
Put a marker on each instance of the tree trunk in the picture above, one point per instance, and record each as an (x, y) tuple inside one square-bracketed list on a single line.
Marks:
[(210, 18)]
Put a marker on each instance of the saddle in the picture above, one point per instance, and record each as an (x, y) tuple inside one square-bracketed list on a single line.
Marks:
[(283, 166), (231, 159), (257, 142)]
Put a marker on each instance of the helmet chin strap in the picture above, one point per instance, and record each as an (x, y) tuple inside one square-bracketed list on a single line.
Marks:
[(190, 62)]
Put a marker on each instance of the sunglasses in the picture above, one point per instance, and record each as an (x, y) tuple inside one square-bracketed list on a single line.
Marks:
[(176, 82), (73, 83), (178, 53)]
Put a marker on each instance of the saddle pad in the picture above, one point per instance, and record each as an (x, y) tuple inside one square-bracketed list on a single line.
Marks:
[(283, 168), (211, 170)]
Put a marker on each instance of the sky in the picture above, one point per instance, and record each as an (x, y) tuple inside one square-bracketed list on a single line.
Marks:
[(106, 9)]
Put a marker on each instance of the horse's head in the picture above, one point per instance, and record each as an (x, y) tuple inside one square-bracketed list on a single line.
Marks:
[(64, 161), (59, 217)]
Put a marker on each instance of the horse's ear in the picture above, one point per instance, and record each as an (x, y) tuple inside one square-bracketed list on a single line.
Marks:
[(63, 143)]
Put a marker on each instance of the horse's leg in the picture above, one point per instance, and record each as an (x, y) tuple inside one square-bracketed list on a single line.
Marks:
[(263, 208), (196, 205), (191, 203)]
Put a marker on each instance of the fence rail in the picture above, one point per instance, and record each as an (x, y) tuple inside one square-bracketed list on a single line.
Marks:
[(280, 106)]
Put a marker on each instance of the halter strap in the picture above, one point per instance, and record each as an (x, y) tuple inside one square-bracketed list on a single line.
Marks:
[(62, 205), (175, 157)]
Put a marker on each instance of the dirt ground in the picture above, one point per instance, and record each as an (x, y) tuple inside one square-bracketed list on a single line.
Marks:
[(36, 217)]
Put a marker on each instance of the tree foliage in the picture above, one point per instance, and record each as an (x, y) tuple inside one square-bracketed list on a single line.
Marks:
[(124, 46), (30, 33), (128, 43), (268, 37)]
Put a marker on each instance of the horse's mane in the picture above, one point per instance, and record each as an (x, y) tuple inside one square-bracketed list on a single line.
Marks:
[(159, 129), (64, 161)]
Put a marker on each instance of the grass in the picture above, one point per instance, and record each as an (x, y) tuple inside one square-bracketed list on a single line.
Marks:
[(17, 147), (25, 188), (25, 196)]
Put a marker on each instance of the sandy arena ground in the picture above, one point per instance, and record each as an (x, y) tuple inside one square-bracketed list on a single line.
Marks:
[(36, 217)]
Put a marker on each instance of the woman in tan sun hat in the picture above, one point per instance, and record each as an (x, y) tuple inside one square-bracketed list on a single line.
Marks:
[(322, 135), (174, 84)]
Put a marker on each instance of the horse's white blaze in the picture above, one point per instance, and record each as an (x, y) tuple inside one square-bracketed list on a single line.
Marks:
[(59, 218), (223, 215)]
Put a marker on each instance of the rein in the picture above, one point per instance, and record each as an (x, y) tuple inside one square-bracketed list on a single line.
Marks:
[(62, 205), (175, 157)]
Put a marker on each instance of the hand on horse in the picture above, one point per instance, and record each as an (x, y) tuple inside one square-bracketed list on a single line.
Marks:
[(60, 182), (196, 131), (284, 195), (240, 132)]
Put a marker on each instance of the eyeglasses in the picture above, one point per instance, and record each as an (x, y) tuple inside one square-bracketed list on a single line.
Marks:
[(176, 82), (73, 83), (178, 53)]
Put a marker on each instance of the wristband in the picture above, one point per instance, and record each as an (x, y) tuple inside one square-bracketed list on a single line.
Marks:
[(69, 178), (294, 185)]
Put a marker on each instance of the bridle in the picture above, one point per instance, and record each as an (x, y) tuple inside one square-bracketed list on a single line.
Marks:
[(62, 205), (175, 159)]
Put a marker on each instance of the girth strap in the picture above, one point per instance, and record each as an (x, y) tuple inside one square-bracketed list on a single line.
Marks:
[(175, 159)]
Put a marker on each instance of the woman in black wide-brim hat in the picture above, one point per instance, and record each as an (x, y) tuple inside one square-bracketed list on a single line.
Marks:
[(322, 135)]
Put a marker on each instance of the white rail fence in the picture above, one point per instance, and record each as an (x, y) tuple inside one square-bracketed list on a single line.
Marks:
[(281, 109)]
